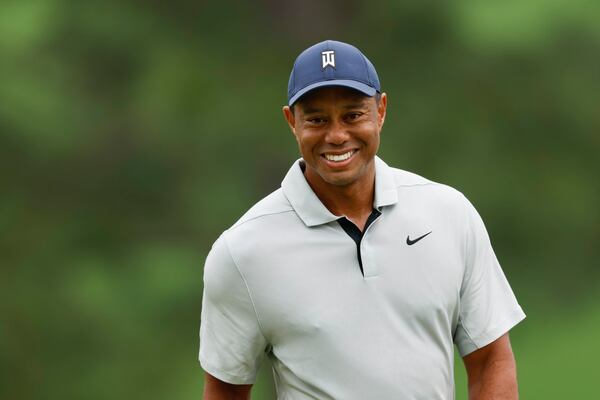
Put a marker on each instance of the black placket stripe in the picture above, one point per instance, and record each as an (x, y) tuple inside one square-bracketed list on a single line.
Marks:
[(356, 234)]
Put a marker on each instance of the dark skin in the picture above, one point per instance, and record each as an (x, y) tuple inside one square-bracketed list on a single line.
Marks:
[(336, 121), (215, 389), (492, 371), (333, 121)]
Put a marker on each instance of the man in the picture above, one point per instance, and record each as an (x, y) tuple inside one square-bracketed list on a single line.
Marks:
[(356, 279)]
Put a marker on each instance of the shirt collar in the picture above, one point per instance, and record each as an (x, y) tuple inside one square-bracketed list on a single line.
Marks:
[(312, 211)]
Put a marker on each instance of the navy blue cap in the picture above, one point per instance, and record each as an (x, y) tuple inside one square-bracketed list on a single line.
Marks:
[(332, 63)]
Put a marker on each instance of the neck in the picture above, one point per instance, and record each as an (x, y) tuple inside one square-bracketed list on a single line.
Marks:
[(354, 200)]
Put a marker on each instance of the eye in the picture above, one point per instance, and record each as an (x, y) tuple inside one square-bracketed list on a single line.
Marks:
[(353, 116), (316, 120)]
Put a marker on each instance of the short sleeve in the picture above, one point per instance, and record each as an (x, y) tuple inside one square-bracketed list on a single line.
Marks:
[(488, 307), (231, 343)]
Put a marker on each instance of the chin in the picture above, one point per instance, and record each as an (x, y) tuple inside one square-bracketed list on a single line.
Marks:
[(339, 179)]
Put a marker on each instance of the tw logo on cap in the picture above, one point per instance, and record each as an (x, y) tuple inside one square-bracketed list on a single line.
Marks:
[(328, 58)]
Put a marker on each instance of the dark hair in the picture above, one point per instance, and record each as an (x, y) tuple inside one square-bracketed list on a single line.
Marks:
[(377, 99)]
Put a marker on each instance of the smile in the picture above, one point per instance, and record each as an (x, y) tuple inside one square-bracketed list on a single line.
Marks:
[(339, 157)]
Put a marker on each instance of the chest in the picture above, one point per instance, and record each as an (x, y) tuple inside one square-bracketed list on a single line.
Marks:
[(412, 268)]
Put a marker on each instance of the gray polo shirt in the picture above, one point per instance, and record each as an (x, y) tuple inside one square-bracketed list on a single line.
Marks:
[(370, 317)]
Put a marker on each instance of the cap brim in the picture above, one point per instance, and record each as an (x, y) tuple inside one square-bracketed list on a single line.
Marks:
[(361, 87)]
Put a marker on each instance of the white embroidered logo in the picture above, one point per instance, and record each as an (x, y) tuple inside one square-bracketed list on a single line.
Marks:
[(328, 58)]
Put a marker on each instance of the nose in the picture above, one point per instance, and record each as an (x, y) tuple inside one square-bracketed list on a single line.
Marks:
[(336, 133)]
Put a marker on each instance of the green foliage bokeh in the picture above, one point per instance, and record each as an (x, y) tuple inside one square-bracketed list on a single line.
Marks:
[(132, 133)]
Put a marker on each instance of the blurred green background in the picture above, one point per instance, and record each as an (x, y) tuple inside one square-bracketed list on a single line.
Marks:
[(132, 133)]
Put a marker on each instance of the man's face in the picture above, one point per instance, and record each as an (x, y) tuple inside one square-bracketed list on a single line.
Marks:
[(337, 130)]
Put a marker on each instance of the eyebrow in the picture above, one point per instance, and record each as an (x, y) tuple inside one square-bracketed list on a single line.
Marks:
[(354, 104), (308, 110)]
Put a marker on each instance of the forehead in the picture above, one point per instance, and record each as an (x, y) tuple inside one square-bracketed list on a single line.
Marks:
[(331, 96)]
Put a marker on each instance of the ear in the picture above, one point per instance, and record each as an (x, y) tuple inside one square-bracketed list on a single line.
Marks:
[(381, 110), (290, 118)]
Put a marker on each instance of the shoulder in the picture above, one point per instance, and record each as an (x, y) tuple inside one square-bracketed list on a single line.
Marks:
[(270, 206), (410, 184), (262, 221), (441, 201)]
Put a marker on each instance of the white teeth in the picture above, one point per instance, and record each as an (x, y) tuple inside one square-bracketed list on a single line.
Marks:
[(341, 157)]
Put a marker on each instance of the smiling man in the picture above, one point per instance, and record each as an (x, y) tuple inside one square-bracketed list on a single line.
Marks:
[(356, 279)]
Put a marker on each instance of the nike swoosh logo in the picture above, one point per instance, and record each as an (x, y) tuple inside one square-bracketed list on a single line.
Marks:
[(411, 242)]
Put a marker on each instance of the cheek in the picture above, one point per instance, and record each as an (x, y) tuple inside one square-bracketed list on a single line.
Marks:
[(308, 141), (370, 134), (305, 147)]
